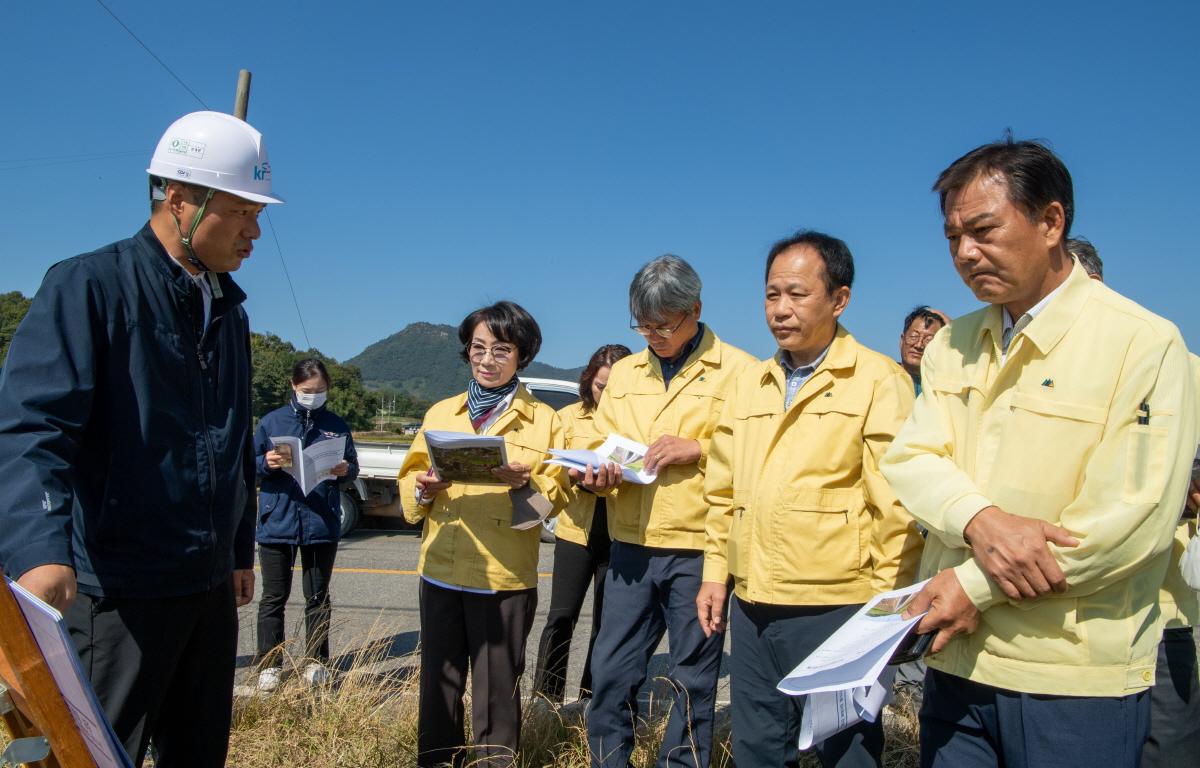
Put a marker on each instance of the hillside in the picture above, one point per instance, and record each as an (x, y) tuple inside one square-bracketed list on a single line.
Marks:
[(423, 361)]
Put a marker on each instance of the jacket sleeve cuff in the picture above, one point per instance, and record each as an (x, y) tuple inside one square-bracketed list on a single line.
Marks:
[(19, 565), (959, 513), (981, 590), (715, 569)]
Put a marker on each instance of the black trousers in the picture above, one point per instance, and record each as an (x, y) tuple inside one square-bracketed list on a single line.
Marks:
[(485, 634), (1174, 740), (277, 560), (162, 668), (767, 642), (575, 568)]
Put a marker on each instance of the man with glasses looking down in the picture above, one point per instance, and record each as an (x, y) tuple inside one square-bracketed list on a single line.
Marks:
[(669, 396)]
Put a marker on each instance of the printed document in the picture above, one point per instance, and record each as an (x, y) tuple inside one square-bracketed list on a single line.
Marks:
[(50, 634), (846, 679), (310, 466), (462, 457), (628, 454)]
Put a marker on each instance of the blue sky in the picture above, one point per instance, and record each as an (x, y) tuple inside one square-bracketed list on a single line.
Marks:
[(439, 156)]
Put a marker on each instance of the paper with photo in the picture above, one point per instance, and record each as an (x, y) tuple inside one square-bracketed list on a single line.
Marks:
[(628, 454), (462, 457), (50, 634), (310, 466)]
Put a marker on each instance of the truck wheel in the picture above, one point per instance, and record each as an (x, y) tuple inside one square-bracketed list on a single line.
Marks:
[(547, 531), (349, 513)]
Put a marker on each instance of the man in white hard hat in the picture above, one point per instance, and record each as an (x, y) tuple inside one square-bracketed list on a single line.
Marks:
[(124, 443)]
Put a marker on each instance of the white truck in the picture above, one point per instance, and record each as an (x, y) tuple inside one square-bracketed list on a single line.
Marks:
[(375, 494)]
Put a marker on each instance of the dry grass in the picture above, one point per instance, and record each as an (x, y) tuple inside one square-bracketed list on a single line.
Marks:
[(367, 719)]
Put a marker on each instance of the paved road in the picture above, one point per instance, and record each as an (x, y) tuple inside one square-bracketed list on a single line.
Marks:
[(375, 598)]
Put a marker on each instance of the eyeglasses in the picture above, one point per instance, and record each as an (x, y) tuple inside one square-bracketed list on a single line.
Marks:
[(662, 333), (500, 353), (912, 337)]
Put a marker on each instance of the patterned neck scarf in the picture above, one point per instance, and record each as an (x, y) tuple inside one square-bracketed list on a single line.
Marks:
[(481, 400)]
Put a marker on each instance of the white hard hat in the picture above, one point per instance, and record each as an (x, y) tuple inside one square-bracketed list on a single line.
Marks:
[(218, 151)]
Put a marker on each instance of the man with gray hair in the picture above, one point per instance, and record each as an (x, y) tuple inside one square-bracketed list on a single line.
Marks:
[(1085, 253), (669, 396)]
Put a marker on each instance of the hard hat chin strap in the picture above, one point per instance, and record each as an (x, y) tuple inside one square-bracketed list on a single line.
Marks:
[(186, 240)]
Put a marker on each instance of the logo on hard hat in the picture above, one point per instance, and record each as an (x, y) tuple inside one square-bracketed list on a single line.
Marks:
[(187, 147), (262, 172)]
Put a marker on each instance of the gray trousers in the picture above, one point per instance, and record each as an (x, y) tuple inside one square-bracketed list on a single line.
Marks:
[(1174, 740)]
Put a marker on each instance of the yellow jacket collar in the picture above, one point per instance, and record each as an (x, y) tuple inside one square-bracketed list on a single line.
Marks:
[(1053, 322), (842, 354), (708, 351)]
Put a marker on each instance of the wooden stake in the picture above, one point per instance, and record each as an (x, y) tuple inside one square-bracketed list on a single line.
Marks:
[(241, 102)]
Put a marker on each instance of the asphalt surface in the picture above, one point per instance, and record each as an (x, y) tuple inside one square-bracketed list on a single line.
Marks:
[(374, 594)]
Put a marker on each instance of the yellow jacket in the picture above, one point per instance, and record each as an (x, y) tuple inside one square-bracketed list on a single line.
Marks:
[(1180, 604), (798, 511), (579, 431), (670, 512), (1053, 434), (467, 539)]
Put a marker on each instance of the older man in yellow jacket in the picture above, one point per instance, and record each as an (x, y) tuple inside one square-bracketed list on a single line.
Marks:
[(669, 397), (1048, 456), (799, 515)]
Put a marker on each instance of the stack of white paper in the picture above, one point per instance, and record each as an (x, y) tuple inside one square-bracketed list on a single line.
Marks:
[(628, 454), (844, 677), (310, 466)]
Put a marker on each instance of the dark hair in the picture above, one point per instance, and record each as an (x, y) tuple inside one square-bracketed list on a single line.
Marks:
[(601, 358), (508, 322), (158, 192), (1033, 175), (309, 367), (839, 263), (1083, 250), (923, 312)]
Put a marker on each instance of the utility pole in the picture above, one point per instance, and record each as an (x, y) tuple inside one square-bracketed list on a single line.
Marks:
[(241, 101)]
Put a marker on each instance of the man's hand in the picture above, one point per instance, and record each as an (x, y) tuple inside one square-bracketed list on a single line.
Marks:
[(243, 586), (516, 475), (710, 606), (1193, 497), (951, 612), (340, 469), (668, 450), (1013, 551), (598, 480), (55, 584), (273, 459), (428, 484)]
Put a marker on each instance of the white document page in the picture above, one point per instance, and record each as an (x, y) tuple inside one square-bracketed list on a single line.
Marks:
[(51, 636), (829, 712), (628, 454), (310, 466)]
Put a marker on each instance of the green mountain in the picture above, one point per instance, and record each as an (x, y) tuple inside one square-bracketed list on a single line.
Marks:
[(423, 361)]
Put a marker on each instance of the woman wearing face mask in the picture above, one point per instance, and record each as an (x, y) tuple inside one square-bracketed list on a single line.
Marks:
[(288, 521), (479, 575), (581, 545)]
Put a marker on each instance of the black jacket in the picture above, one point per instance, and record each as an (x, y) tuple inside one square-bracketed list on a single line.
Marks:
[(285, 514), (125, 434)]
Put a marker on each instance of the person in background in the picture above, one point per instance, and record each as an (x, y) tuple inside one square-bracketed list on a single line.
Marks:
[(125, 426), (581, 544), (1085, 253), (1048, 456), (478, 590), (919, 327), (668, 397), (290, 521), (799, 516)]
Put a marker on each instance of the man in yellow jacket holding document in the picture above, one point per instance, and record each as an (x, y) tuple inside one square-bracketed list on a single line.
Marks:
[(1048, 456), (799, 515)]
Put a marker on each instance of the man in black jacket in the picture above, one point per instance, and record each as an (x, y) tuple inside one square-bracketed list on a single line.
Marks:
[(125, 420)]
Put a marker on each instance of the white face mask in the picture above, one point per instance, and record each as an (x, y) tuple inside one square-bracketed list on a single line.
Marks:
[(311, 402)]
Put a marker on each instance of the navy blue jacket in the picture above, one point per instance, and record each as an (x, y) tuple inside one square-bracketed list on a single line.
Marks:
[(124, 433), (285, 515)]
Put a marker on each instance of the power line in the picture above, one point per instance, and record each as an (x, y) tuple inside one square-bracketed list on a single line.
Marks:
[(286, 274), (162, 63), (50, 162)]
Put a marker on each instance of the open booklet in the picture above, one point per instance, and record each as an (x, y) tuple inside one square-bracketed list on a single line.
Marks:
[(50, 634), (845, 678), (461, 457), (629, 454), (310, 466)]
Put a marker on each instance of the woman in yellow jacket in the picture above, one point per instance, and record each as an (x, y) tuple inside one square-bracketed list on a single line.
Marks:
[(581, 546), (478, 574)]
